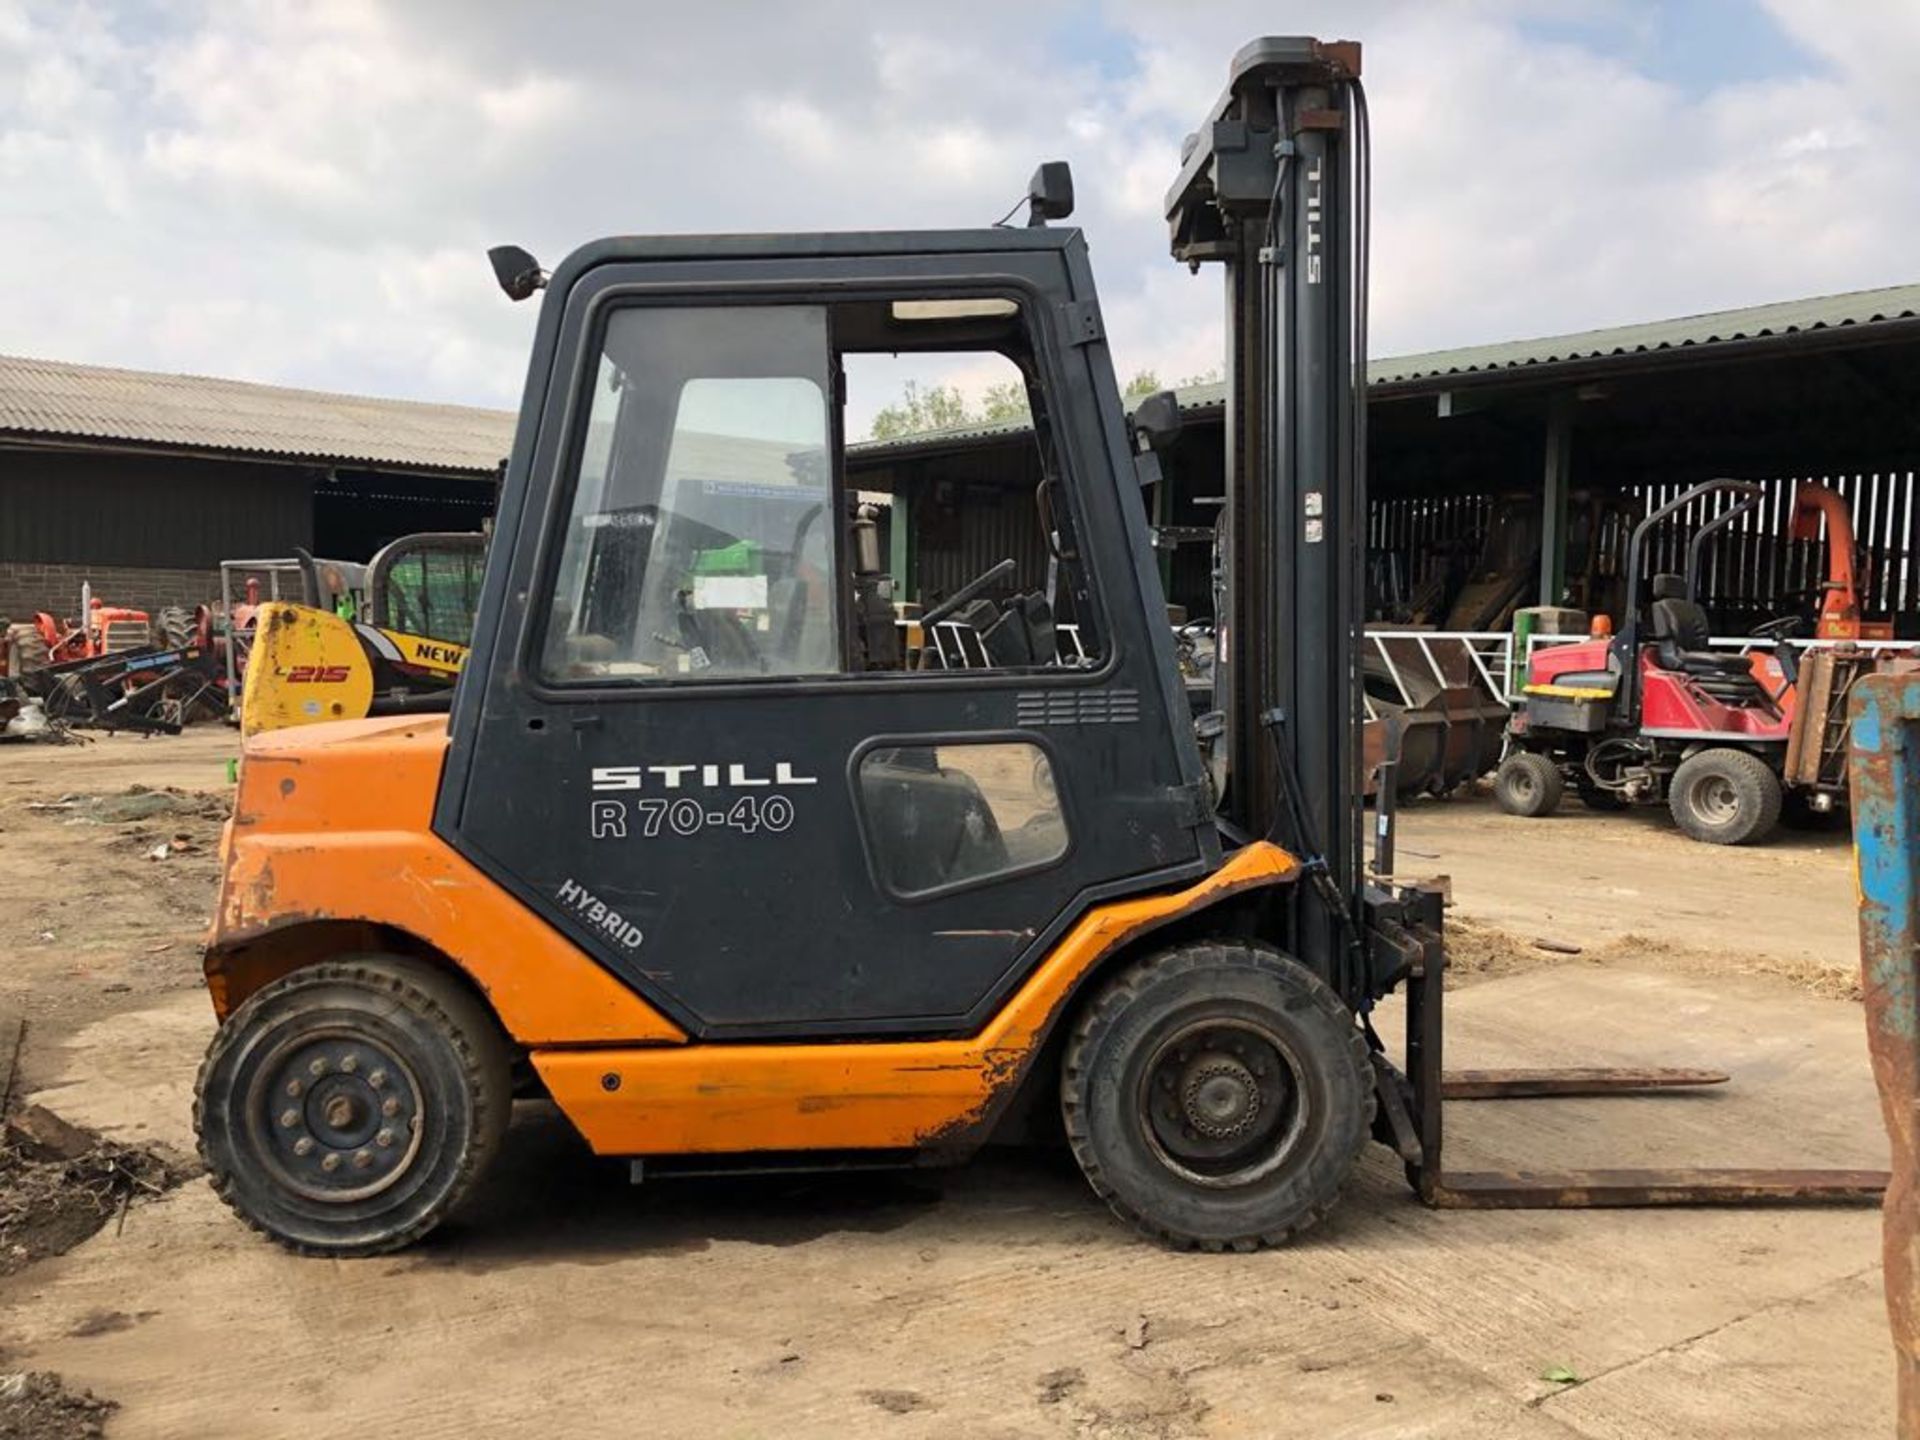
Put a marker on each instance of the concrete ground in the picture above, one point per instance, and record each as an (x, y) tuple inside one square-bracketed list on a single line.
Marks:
[(999, 1299)]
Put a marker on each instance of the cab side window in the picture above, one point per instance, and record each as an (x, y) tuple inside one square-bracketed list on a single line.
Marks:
[(750, 501), (982, 562), (700, 541)]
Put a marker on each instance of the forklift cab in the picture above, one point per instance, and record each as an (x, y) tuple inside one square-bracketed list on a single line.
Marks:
[(688, 655)]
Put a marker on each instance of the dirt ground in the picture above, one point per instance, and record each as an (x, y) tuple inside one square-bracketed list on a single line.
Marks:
[(1632, 882), (998, 1299)]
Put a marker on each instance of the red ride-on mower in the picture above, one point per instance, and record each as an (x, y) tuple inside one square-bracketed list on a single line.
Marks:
[(1638, 718)]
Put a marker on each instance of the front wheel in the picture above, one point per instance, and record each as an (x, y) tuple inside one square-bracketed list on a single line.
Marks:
[(1725, 797), (1216, 1096), (1527, 784), (346, 1108)]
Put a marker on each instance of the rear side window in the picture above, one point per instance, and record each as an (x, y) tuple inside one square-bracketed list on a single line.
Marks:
[(939, 816), (699, 544)]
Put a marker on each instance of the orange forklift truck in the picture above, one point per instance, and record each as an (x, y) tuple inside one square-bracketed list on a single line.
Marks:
[(699, 852)]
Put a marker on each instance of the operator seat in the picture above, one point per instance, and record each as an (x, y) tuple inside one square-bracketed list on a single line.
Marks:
[(1017, 634), (1681, 634)]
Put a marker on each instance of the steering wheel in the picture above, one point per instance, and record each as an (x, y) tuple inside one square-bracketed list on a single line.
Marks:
[(1784, 628), (966, 593)]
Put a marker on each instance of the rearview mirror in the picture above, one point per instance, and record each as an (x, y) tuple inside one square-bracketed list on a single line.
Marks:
[(518, 272), (1050, 193)]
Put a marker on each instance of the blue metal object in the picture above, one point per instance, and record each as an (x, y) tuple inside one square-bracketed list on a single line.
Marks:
[(1884, 778)]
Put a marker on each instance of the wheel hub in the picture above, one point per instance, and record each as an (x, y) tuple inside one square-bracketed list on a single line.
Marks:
[(1221, 1097), (339, 1116), (1222, 1102), (1714, 799)]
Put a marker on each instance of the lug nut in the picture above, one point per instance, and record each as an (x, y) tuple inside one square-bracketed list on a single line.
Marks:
[(390, 1106), (303, 1146), (294, 1087), (349, 1064), (362, 1159), (383, 1139), (330, 1162), (377, 1079), (289, 1118), (318, 1067)]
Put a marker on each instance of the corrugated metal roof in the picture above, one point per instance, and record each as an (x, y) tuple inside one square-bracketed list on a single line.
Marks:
[(54, 398), (1755, 322), (47, 397)]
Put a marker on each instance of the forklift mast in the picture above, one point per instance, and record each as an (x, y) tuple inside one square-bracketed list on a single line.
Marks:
[(1273, 187)]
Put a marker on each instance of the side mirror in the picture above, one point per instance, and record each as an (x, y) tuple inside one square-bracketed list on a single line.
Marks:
[(1156, 421), (1049, 193), (518, 272)]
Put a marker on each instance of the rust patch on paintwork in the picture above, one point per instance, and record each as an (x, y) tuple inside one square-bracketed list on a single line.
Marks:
[(345, 860), (1005, 1069), (870, 1094), (1884, 786)]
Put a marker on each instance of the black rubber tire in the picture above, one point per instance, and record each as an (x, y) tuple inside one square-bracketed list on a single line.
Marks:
[(1114, 1041), (428, 1020), (1528, 783), (1725, 797), (28, 646), (174, 628)]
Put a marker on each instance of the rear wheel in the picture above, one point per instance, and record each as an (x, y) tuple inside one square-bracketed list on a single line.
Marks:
[(345, 1109), (1217, 1096), (1527, 784), (27, 647), (175, 628), (1725, 797)]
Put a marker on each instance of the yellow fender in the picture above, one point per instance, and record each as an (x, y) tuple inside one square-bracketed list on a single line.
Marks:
[(306, 666)]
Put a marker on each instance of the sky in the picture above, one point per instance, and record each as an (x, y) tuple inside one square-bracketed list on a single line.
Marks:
[(302, 191)]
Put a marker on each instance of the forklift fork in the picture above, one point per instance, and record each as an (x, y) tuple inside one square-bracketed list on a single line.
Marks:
[(1411, 928), (1419, 1136)]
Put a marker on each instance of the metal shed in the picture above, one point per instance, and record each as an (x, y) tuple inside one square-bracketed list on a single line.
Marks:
[(142, 483)]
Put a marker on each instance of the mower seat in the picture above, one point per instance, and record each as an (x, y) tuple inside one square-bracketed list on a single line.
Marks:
[(1681, 634)]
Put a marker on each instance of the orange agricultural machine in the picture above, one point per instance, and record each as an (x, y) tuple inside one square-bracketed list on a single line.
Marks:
[(1838, 616)]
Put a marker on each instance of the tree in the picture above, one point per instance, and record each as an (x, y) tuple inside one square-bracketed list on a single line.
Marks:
[(1004, 402), (937, 407), (943, 407)]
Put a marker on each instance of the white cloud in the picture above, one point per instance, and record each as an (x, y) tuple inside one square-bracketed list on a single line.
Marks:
[(303, 192)]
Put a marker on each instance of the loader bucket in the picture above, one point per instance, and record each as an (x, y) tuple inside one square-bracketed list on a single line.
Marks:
[(1450, 722)]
